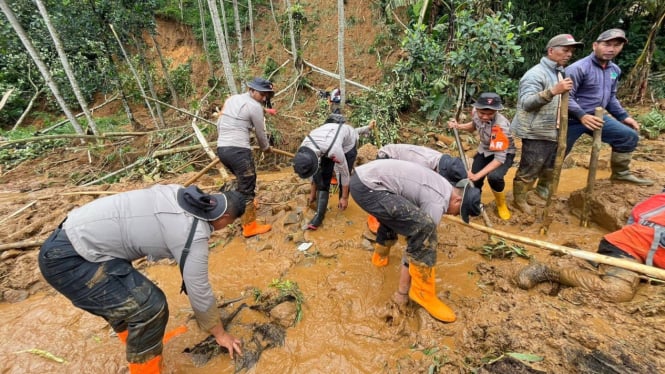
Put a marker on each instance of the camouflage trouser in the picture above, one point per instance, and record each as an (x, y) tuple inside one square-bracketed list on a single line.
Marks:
[(240, 163), (397, 215), (113, 290), (537, 155)]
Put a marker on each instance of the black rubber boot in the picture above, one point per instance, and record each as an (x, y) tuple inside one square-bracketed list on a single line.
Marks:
[(321, 208)]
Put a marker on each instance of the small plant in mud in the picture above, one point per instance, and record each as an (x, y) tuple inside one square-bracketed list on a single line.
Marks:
[(653, 124), (288, 290), (501, 249), (438, 358)]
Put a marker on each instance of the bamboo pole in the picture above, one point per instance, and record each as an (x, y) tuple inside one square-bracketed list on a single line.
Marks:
[(593, 166), (22, 244), (585, 255), (181, 110), (558, 162), (203, 171), (18, 211)]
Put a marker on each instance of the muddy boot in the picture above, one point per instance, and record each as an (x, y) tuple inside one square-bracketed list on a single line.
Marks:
[(381, 252), (616, 285), (249, 225), (152, 366), (544, 183), (501, 207), (519, 197), (620, 164), (534, 274), (423, 292), (321, 208)]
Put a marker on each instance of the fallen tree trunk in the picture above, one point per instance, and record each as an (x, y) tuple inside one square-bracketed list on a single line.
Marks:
[(585, 255)]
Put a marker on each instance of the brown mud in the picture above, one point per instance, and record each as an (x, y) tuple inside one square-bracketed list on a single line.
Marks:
[(349, 323)]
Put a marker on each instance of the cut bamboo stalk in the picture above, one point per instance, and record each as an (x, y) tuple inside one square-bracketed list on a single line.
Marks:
[(585, 255)]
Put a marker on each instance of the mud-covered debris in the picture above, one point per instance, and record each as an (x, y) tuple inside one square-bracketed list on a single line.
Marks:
[(508, 365), (621, 362), (264, 336)]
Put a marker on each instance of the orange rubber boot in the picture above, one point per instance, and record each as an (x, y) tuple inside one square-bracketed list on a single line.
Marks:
[(249, 225), (380, 255), (372, 224), (152, 366), (122, 335), (422, 291)]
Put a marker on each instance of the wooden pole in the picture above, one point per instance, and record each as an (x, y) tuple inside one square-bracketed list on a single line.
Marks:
[(593, 166), (589, 256), (203, 171), (558, 162), (279, 152)]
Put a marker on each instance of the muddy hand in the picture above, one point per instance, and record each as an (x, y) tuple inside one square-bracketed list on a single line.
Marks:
[(231, 343), (592, 122)]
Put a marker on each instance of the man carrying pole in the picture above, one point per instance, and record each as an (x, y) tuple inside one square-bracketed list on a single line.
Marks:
[(537, 119)]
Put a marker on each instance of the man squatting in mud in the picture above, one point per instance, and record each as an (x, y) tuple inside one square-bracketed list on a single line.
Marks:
[(88, 259), (409, 200), (641, 240)]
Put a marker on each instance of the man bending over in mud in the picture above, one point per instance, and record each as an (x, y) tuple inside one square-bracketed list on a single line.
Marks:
[(88, 259), (409, 200), (640, 240)]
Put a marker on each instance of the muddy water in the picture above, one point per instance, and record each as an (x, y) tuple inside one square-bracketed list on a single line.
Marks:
[(349, 325)]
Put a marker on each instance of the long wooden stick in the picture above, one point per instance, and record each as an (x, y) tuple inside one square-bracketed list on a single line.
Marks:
[(181, 110), (279, 152), (593, 166), (18, 211), (590, 256), (203, 171), (558, 161)]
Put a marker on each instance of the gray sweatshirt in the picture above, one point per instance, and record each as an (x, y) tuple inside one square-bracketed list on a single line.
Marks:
[(147, 223), (423, 187), (415, 153), (240, 114)]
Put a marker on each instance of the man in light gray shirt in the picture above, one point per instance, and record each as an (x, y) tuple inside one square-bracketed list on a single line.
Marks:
[(409, 200), (240, 114), (88, 259)]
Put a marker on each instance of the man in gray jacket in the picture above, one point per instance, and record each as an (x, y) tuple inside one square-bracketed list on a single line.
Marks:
[(88, 259), (536, 119)]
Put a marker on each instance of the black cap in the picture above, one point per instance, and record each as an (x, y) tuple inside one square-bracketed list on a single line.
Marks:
[(470, 199), (261, 84), (452, 168), (206, 206), (305, 162), (488, 100)]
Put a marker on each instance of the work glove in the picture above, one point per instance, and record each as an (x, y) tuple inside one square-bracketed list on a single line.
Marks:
[(271, 111)]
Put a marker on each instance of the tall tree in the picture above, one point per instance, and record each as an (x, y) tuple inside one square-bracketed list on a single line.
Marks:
[(250, 15), (46, 74), (241, 65), (165, 71), (295, 50), (204, 37), (65, 65), (221, 46), (340, 51)]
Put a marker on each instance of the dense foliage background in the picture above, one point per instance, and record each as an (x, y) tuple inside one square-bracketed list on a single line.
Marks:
[(452, 49)]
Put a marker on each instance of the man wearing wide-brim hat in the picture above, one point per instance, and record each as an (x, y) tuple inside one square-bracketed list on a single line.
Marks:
[(88, 259), (240, 114), (536, 119), (595, 80)]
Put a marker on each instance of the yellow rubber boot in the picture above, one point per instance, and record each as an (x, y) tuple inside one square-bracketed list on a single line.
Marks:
[(152, 366), (249, 225), (501, 207), (380, 255), (422, 291)]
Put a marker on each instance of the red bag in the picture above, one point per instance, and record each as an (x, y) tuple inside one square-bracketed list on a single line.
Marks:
[(498, 140)]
